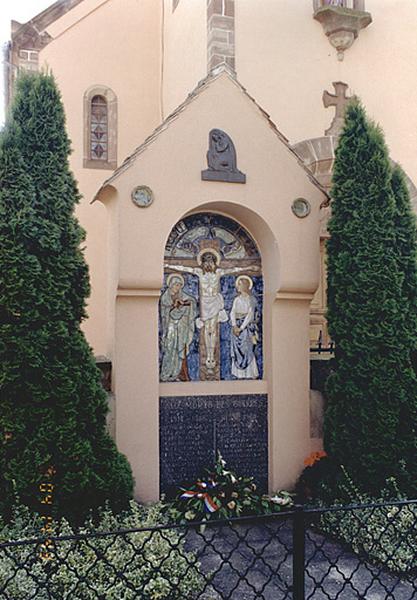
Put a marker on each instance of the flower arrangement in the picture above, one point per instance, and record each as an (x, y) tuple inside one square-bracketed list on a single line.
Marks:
[(222, 494)]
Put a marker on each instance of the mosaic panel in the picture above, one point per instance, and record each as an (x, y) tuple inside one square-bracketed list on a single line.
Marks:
[(211, 302), (192, 430)]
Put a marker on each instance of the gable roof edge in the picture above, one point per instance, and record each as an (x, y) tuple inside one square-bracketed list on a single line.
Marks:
[(213, 75), (42, 20)]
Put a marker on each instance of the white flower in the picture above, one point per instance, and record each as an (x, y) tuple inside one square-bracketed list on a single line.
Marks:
[(281, 501)]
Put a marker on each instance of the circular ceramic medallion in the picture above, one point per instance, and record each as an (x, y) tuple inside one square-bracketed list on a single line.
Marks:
[(142, 196), (301, 207)]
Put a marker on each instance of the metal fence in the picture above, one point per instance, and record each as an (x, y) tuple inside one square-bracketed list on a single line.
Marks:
[(351, 552)]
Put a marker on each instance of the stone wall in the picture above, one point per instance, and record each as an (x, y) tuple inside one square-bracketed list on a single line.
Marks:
[(220, 33)]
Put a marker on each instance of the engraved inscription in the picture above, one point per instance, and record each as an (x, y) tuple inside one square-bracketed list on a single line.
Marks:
[(193, 428)]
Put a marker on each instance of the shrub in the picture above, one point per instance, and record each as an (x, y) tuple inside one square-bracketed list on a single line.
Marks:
[(385, 535), (154, 564)]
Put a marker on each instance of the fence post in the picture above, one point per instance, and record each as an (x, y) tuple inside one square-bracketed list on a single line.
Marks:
[(298, 559)]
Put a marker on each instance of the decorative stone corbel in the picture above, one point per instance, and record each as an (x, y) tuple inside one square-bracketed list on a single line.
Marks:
[(340, 23)]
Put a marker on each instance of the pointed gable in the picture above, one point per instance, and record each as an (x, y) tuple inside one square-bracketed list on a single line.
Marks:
[(170, 164), (216, 82)]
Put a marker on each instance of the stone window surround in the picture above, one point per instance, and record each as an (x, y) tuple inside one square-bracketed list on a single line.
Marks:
[(111, 99)]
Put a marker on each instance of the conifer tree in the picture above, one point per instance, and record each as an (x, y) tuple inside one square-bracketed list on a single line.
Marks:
[(370, 422), (406, 247), (52, 406)]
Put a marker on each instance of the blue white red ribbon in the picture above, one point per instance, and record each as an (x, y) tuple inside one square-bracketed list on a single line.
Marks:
[(209, 504)]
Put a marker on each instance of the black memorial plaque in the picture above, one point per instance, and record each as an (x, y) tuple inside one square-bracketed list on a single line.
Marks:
[(193, 428)]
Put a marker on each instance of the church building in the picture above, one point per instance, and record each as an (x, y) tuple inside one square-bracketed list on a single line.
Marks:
[(204, 136)]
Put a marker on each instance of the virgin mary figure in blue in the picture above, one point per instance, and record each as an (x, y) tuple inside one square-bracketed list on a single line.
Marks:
[(244, 335)]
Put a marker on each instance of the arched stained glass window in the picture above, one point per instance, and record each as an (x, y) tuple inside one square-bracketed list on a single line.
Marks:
[(99, 132), (100, 128)]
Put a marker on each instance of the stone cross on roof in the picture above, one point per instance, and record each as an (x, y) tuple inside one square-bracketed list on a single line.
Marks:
[(339, 100)]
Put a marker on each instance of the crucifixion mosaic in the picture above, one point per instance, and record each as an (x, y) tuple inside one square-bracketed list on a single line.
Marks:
[(211, 302)]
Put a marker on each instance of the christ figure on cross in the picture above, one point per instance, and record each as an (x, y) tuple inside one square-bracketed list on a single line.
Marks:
[(211, 301)]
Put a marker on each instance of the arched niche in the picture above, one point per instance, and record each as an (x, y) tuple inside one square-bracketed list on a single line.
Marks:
[(212, 299)]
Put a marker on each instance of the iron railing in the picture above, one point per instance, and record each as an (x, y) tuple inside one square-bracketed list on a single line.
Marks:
[(347, 552), (322, 349)]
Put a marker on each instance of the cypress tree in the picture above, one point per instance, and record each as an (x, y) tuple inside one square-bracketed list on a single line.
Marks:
[(406, 246), (52, 405), (370, 422)]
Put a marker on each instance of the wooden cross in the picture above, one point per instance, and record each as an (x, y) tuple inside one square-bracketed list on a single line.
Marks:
[(340, 101)]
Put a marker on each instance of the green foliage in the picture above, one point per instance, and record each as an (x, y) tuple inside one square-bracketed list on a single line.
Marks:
[(52, 405), (223, 495), (371, 419), (154, 564), (385, 535), (406, 247)]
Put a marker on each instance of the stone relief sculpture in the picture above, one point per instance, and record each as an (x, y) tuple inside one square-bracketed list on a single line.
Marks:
[(178, 313), (244, 331), (221, 159), (206, 331)]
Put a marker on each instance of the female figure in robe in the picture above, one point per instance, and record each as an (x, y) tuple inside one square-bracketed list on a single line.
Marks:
[(178, 313), (244, 331)]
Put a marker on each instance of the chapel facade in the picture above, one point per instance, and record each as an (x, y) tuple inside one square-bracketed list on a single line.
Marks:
[(203, 136)]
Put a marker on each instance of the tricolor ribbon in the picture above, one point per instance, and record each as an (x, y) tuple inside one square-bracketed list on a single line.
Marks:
[(209, 504)]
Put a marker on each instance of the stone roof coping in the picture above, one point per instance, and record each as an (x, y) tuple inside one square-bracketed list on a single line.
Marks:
[(40, 21)]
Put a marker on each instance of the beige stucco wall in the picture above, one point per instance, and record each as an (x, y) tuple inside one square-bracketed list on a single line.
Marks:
[(290, 257), (97, 43), (185, 50), (286, 61)]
